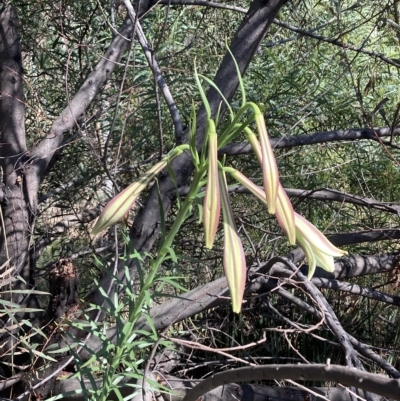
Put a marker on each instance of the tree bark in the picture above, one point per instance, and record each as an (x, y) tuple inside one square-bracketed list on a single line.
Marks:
[(350, 377), (16, 209)]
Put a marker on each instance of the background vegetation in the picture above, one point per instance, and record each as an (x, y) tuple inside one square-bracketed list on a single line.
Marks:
[(326, 77)]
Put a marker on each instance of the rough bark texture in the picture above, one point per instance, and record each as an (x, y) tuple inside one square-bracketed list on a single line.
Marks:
[(64, 281), (15, 206)]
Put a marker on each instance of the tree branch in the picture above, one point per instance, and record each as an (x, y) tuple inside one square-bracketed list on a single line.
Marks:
[(327, 312), (379, 234), (348, 376), (240, 148), (16, 217), (356, 290), (176, 119), (325, 194), (337, 42), (12, 105), (43, 152)]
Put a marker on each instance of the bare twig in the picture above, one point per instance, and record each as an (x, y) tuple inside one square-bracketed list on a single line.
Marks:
[(338, 42), (194, 345), (176, 119)]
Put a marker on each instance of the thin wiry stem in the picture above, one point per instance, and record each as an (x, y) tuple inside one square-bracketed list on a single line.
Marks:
[(176, 119)]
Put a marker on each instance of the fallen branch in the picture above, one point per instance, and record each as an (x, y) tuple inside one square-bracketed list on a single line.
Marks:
[(316, 372)]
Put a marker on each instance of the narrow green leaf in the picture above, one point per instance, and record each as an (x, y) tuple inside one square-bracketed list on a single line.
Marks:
[(239, 75), (202, 93), (211, 83)]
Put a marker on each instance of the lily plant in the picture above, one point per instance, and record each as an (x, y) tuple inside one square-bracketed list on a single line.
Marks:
[(211, 172)]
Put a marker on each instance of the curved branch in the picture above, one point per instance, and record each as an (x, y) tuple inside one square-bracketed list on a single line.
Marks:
[(338, 196), (356, 290), (348, 376), (362, 348), (332, 321), (325, 194), (240, 148), (379, 234)]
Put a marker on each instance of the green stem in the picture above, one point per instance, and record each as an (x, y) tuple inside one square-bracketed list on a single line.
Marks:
[(137, 310)]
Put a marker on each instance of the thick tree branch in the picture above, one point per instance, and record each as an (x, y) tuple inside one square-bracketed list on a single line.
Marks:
[(356, 290), (348, 376), (251, 392), (359, 265), (12, 105), (16, 218), (228, 392), (43, 152), (379, 234)]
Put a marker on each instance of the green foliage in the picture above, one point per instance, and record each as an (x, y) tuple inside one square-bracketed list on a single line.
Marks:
[(303, 86)]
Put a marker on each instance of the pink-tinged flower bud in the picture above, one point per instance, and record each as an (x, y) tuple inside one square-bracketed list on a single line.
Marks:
[(234, 259), (318, 249), (284, 209), (211, 204), (119, 206), (268, 164)]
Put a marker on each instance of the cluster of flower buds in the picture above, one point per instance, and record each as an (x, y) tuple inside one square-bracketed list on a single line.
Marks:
[(318, 249)]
